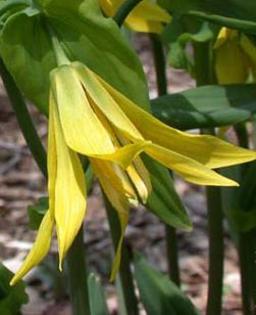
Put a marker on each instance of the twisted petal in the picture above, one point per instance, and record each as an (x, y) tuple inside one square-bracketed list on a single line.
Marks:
[(115, 192), (69, 195), (207, 150), (40, 248), (83, 129), (191, 170)]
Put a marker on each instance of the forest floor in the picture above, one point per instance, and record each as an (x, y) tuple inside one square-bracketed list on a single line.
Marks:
[(21, 184)]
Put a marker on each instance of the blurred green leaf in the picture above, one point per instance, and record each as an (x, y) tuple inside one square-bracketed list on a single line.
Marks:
[(164, 201), (206, 107), (158, 294), (11, 298), (36, 212), (97, 300), (238, 14)]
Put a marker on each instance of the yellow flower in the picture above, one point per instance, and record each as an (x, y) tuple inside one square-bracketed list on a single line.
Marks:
[(235, 57), (90, 117), (146, 17)]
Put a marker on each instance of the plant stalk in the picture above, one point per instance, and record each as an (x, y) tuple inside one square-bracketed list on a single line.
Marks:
[(246, 245), (125, 274), (162, 88), (75, 257), (77, 272), (205, 75), (160, 64), (216, 250)]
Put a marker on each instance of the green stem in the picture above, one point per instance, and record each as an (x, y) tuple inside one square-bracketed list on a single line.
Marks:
[(246, 245), (160, 64), (25, 122), (204, 75), (204, 70), (216, 250), (75, 260), (125, 274), (124, 11), (172, 254), (76, 265), (170, 232)]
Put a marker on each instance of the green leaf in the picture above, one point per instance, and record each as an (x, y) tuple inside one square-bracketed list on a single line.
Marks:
[(238, 14), (98, 42), (164, 201), (206, 107), (158, 294), (11, 298), (36, 212), (26, 50), (85, 35), (97, 300)]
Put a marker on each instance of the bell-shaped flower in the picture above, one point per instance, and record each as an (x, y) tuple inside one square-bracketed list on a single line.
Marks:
[(235, 56), (88, 116), (147, 16)]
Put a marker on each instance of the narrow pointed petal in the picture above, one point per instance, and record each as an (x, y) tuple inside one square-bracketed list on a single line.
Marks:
[(82, 129), (39, 249), (207, 150), (70, 191), (191, 170), (113, 188)]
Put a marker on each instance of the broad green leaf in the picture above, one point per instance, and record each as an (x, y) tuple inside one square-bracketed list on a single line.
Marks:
[(158, 294), (164, 201), (208, 106), (97, 300), (36, 212), (11, 298), (97, 42), (26, 48)]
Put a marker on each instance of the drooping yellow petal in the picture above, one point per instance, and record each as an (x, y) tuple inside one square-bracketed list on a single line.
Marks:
[(39, 249), (191, 170), (147, 17), (82, 129), (104, 101), (113, 188), (207, 150), (70, 190)]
